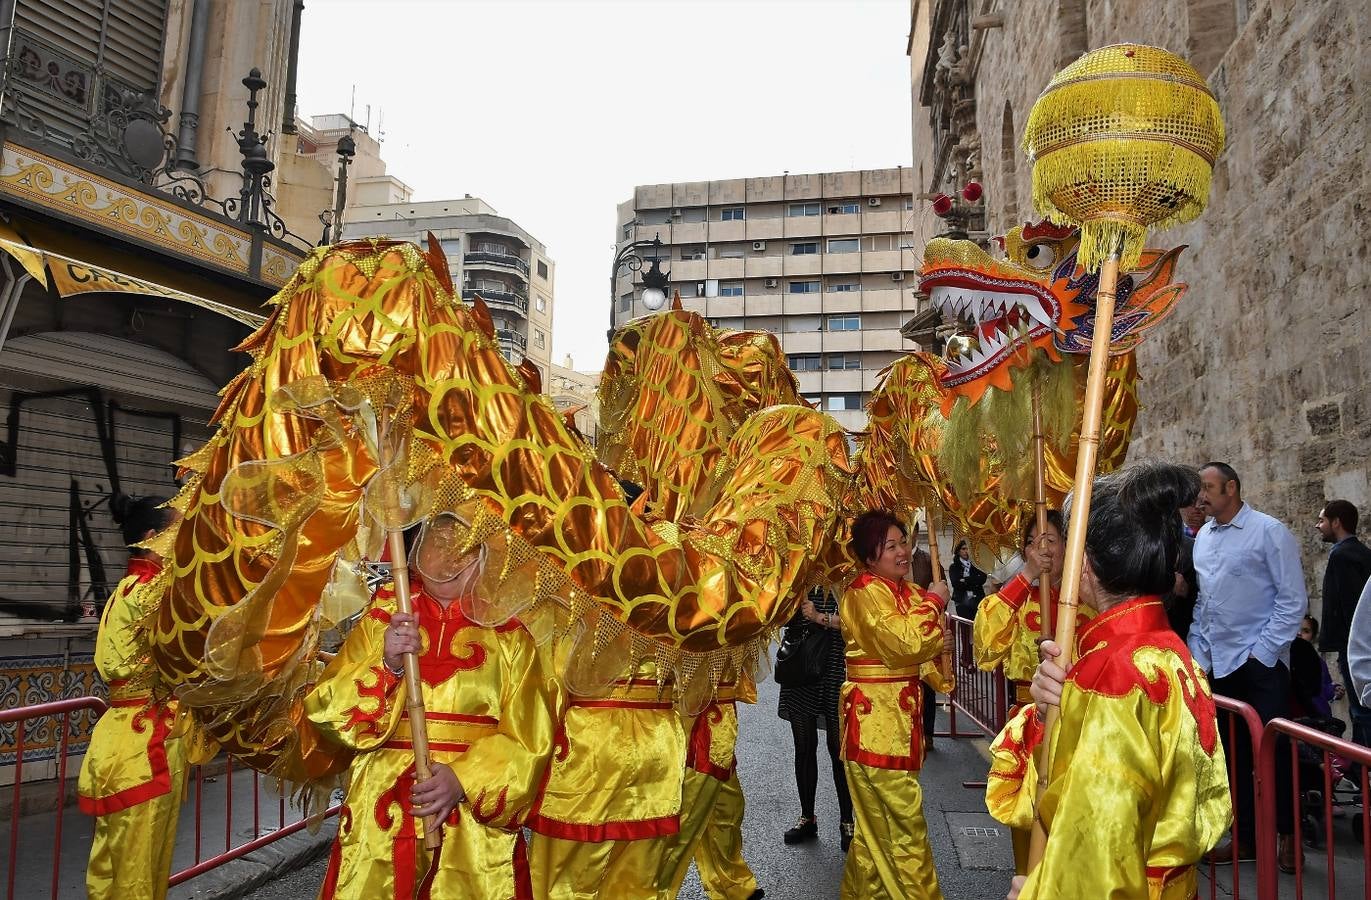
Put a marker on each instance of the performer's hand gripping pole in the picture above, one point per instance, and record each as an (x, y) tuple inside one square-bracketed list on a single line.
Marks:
[(938, 575)]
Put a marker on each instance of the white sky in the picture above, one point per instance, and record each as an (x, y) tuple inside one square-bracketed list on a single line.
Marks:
[(553, 110)]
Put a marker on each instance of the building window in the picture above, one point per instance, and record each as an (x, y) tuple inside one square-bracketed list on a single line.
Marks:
[(451, 246), (908, 202), (692, 253), (730, 252), (732, 214), (844, 323), (539, 339), (839, 402), (842, 287), (542, 270), (838, 362), (844, 245), (542, 304), (626, 302), (804, 248), (844, 208), (814, 400), (807, 362), (804, 209), (628, 231), (730, 289), (804, 287)]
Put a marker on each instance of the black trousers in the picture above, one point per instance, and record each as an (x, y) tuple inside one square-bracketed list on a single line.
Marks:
[(805, 731), (1267, 690)]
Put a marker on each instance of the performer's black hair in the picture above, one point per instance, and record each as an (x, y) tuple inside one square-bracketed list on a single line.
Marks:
[(136, 516), (1133, 538), (869, 531)]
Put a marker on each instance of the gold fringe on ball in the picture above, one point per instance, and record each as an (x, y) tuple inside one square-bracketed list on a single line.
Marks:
[(1121, 140)]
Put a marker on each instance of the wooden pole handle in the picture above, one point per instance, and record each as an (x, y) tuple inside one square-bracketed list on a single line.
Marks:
[(938, 575), (414, 696), (1039, 836), (1086, 455)]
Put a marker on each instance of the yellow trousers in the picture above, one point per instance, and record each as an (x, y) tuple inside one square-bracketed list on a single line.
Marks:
[(712, 835), (563, 869), (130, 855), (890, 858)]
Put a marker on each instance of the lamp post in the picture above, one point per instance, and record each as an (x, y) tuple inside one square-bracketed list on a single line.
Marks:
[(655, 280), (347, 149)]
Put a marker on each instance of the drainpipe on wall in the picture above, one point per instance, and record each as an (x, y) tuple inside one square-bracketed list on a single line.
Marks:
[(190, 93), (292, 67)]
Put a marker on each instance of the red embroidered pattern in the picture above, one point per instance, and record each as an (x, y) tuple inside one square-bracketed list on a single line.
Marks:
[(161, 718), (702, 739), (369, 722), (1108, 643)]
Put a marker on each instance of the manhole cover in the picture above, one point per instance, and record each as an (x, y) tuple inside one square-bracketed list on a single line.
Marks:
[(981, 842)]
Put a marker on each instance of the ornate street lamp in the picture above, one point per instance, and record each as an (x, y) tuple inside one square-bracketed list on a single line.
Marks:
[(655, 281), (347, 149)]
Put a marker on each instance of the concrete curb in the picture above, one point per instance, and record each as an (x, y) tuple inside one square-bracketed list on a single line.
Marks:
[(241, 877)]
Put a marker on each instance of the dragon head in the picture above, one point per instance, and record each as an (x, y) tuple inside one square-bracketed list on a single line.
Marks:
[(1037, 296)]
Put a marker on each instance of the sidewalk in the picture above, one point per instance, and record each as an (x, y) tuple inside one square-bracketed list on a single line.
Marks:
[(37, 846)]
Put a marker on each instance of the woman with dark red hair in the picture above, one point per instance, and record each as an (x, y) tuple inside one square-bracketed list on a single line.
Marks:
[(891, 627)]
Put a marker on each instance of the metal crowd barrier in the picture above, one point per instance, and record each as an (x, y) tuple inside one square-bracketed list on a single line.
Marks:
[(202, 781), (983, 698)]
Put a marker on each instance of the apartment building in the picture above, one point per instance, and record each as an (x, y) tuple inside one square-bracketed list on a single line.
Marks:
[(488, 255), (824, 261)]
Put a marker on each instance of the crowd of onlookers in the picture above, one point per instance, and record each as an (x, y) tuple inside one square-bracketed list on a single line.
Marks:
[(1238, 601)]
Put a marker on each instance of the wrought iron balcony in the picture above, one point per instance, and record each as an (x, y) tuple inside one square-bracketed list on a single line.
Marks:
[(499, 297), (486, 257)]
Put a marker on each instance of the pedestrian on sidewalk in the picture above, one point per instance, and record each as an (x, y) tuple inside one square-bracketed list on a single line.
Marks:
[(134, 771), (811, 708), (1138, 788), (891, 628), (1349, 569), (968, 582), (1252, 600), (491, 724)]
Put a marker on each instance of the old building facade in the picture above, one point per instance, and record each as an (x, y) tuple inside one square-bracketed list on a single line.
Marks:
[(1265, 364)]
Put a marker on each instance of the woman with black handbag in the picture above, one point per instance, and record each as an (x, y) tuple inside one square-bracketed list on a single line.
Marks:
[(811, 672)]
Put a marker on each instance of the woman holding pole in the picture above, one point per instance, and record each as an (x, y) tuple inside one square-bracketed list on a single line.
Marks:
[(1137, 792), (490, 716), (891, 628)]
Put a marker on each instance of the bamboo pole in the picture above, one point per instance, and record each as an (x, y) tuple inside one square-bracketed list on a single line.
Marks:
[(1086, 455), (1038, 835), (414, 691), (938, 575)]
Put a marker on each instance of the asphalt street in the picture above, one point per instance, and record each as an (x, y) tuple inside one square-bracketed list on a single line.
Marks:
[(972, 853)]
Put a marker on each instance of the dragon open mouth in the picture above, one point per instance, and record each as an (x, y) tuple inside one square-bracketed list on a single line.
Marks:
[(993, 317)]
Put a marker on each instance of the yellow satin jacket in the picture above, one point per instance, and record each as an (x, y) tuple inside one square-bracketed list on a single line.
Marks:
[(1007, 627), (132, 755), (891, 632), (616, 772), (490, 709), (714, 733), (1139, 787)]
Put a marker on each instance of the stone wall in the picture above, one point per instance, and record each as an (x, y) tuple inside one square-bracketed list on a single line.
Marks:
[(1265, 365)]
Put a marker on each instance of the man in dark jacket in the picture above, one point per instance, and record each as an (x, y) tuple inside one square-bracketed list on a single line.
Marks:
[(1349, 567)]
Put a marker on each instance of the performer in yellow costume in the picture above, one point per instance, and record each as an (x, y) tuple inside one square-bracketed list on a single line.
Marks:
[(135, 769), (491, 722), (712, 803), (612, 803), (890, 629), (1138, 790), (1008, 626)]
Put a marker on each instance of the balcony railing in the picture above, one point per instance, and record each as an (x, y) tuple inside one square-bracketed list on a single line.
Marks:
[(513, 339), (479, 257), (499, 297)]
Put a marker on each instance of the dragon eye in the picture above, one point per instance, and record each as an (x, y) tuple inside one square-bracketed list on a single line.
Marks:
[(1041, 256)]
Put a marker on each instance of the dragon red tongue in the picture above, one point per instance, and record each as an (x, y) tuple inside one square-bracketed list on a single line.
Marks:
[(1013, 317)]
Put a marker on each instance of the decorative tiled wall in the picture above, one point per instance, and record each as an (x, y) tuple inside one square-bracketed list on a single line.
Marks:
[(28, 680)]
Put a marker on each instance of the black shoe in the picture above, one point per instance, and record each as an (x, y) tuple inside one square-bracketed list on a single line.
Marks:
[(846, 830), (804, 830), (756, 895)]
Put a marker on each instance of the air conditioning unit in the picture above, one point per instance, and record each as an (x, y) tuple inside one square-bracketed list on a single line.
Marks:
[(897, 276), (873, 201), (773, 282), (759, 245)]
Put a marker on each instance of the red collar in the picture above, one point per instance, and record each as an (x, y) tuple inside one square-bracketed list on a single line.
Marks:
[(901, 589), (143, 569), (1141, 614)]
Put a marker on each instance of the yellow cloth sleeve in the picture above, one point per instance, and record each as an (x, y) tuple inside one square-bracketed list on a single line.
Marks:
[(876, 626), (502, 772), (357, 702)]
